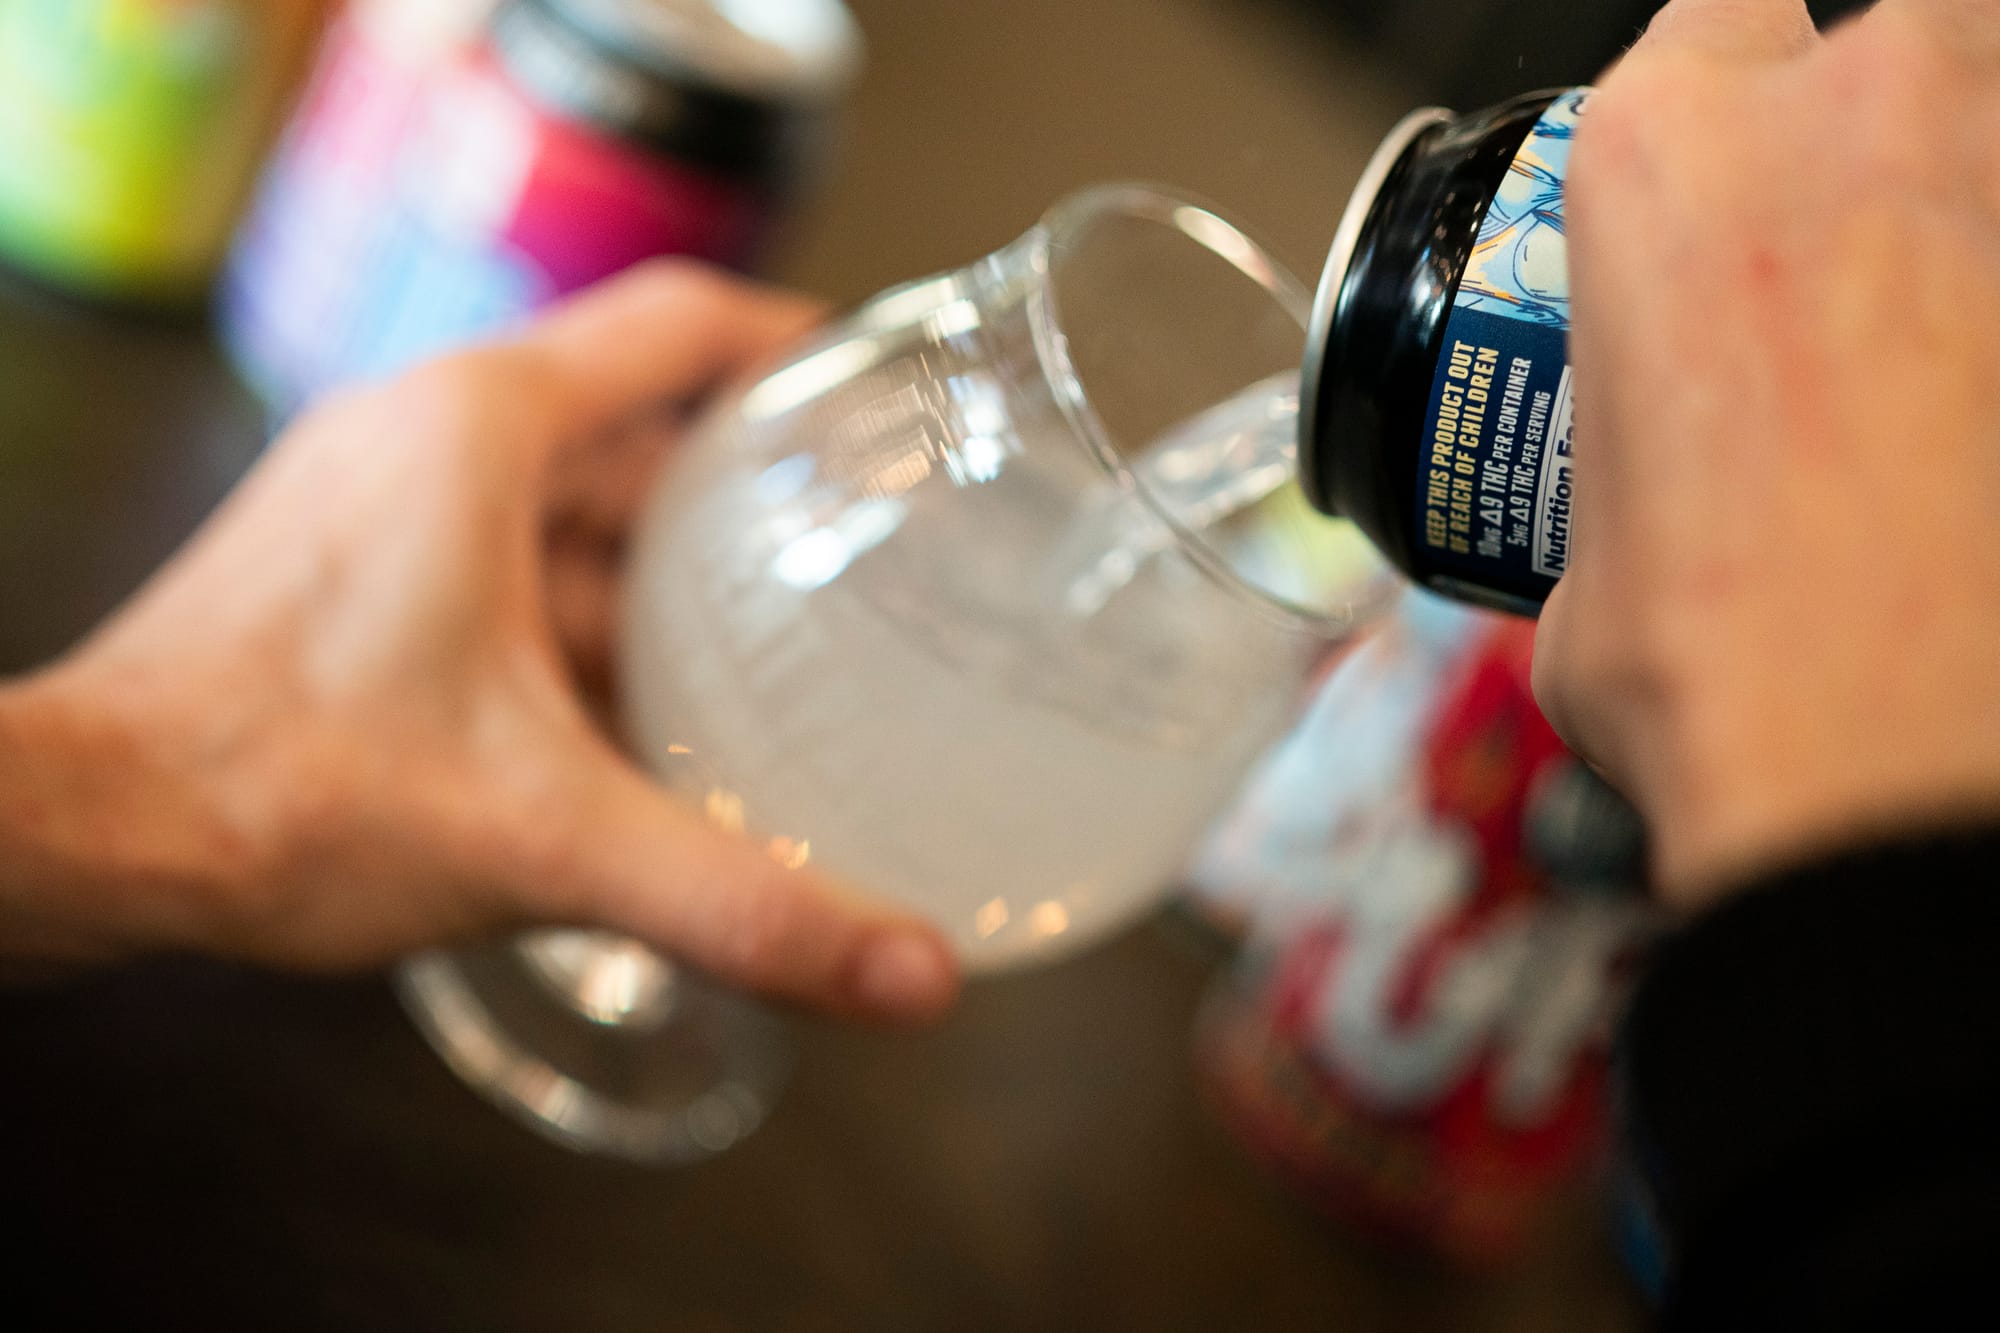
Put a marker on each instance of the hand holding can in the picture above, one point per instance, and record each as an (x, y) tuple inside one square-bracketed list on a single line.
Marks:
[(1782, 627)]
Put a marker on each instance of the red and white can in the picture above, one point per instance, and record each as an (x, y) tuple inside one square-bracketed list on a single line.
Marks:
[(1444, 907)]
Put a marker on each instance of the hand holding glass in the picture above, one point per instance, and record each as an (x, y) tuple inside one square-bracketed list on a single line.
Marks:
[(986, 602)]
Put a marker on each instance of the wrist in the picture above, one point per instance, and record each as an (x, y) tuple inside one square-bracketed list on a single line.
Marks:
[(1755, 808), (106, 852)]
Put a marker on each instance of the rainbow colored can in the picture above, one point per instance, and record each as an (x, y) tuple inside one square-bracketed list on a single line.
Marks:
[(130, 131)]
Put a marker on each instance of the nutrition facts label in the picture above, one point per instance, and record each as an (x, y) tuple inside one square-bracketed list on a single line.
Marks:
[(1494, 495)]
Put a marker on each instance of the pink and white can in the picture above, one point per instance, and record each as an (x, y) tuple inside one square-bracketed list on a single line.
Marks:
[(445, 182)]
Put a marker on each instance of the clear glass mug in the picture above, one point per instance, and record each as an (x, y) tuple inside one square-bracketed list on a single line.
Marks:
[(986, 601)]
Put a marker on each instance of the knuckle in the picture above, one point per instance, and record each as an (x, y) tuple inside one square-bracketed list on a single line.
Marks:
[(767, 938), (1576, 648), (1885, 44), (1723, 26), (478, 378), (1553, 673), (679, 282), (1640, 108), (1604, 146), (1887, 81), (533, 840), (1643, 94), (1885, 61), (451, 379), (472, 401)]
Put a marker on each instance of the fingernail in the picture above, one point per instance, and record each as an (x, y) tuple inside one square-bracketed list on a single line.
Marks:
[(906, 976)]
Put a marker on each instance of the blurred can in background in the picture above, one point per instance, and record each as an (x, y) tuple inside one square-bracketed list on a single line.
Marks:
[(130, 132), (1442, 909), (294, 281), (434, 191)]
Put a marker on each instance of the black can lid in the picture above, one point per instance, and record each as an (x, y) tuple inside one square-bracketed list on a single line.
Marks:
[(1320, 341), (738, 86)]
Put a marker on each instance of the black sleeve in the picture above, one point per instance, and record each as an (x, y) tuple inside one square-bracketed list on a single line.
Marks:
[(1810, 1084)]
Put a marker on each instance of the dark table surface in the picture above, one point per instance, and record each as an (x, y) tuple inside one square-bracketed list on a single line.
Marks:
[(201, 1146)]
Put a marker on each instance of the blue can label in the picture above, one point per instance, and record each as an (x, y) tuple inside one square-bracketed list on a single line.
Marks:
[(1494, 498)]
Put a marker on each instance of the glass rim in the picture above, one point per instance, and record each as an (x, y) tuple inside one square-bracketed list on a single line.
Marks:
[(1206, 227)]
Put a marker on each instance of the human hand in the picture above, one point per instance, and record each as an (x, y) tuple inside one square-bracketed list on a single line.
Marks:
[(352, 718), (1781, 626)]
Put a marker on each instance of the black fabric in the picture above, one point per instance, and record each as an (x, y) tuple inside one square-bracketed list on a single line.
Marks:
[(1811, 1089)]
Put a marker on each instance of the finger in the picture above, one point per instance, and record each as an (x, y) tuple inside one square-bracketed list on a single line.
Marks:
[(582, 592), (511, 411), (599, 487), (635, 859), (1751, 30), (1967, 28), (1580, 682), (667, 332), (1549, 676)]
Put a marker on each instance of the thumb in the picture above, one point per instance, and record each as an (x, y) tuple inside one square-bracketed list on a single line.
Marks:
[(634, 858), (1754, 31)]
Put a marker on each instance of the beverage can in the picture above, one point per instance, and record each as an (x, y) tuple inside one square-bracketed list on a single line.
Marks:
[(571, 140), (132, 130), (1438, 403), (1442, 908), (294, 278)]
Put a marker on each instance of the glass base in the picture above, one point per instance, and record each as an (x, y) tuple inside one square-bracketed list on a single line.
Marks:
[(598, 1043)]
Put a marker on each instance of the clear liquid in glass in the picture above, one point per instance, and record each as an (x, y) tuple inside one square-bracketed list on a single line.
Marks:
[(1023, 755)]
